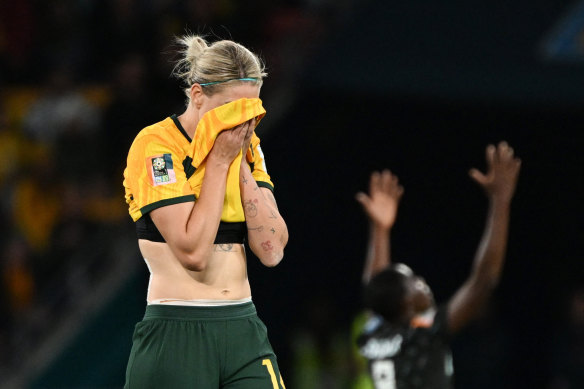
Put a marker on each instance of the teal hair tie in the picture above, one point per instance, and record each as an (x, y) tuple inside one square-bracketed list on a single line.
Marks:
[(232, 79)]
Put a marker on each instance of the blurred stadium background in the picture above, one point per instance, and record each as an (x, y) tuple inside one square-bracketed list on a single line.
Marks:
[(419, 86)]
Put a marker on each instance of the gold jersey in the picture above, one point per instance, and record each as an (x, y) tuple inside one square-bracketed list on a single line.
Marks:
[(165, 166)]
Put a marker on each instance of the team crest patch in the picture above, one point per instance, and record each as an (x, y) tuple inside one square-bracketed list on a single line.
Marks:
[(161, 169)]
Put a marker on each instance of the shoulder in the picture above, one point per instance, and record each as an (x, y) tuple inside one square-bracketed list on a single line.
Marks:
[(163, 130), (163, 134)]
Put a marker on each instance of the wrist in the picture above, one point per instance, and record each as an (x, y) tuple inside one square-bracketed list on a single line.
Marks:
[(500, 199), (500, 203), (381, 228), (219, 163), (244, 168)]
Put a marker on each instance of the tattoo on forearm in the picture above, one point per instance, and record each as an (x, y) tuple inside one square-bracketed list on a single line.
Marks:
[(244, 179), (258, 228), (251, 209), (267, 245), (224, 247), (273, 230)]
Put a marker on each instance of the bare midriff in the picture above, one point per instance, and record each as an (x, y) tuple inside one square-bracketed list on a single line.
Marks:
[(224, 278)]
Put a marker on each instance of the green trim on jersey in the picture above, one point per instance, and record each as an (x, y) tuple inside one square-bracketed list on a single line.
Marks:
[(188, 166), (262, 184), (174, 118), (176, 200)]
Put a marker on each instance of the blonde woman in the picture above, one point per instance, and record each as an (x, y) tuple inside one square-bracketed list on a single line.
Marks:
[(197, 188)]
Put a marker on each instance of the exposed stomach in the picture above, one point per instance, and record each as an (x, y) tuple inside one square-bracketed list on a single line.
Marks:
[(224, 278)]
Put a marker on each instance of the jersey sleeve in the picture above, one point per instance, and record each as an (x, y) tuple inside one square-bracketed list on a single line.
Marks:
[(154, 176), (258, 165)]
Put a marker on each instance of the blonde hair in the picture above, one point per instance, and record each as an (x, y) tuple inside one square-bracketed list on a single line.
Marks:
[(220, 63)]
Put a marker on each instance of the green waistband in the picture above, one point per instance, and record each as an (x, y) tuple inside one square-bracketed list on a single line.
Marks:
[(181, 312)]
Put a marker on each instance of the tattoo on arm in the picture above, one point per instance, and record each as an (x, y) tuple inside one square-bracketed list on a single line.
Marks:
[(244, 179), (251, 209), (267, 245), (224, 247), (273, 230), (273, 215), (258, 228)]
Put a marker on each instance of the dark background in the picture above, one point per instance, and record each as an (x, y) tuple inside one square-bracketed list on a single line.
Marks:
[(420, 87)]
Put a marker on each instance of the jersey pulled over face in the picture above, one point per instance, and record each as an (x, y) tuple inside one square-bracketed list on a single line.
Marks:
[(165, 166), (228, 94)]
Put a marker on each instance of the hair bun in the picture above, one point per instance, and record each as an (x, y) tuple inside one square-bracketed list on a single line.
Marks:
[(192, 48), (195, 46)]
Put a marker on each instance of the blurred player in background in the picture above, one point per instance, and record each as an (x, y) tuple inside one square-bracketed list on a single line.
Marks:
[(406, 341), (198, 188)]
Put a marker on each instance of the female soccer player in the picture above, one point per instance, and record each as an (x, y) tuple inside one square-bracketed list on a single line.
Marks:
[(406, 343), (197, 188)]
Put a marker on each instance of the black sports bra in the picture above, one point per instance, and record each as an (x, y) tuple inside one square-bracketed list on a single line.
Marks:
[(227, 232)]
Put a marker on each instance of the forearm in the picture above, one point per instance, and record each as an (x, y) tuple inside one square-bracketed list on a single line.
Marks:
[(499, 184), (267, 231), (190, 229), (490, 254), (378, 252), (203, 223), (471, 298)]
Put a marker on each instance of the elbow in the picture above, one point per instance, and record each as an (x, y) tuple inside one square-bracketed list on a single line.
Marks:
[(194, 261), (485, 285), (269, 257), (273, 259), (270, 253)]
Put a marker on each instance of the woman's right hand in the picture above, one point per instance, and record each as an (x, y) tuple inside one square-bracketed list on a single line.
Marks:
[(228, 144), (382, 202)]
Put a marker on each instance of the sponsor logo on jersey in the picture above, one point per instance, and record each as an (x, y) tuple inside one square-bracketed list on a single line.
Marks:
[(161, 169), (382, 348)]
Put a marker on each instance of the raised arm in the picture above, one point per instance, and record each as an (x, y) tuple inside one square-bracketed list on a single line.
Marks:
[(190, 228), (380, 206), (499, 184), (267, 230)]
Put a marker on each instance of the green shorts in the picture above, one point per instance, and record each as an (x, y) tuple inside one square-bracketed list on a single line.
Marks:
[(202, 347)]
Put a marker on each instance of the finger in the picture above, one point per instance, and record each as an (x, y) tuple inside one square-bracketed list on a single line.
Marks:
[(400, 191), (395, 183), (490, 155), (374, 182), (363, 199), (242, 130), (504, 151), (477, 176), (386, 181)]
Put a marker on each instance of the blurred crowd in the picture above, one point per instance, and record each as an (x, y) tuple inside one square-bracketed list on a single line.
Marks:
[(79, 79)]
